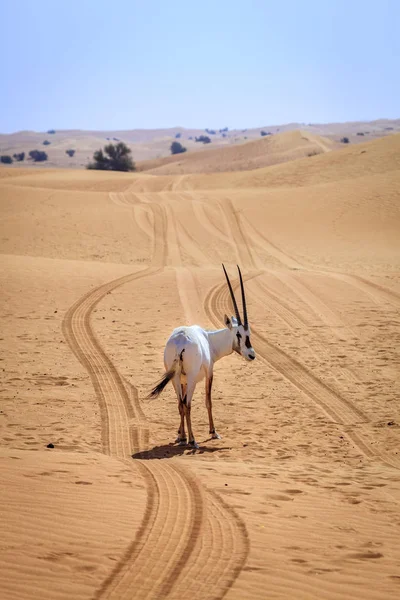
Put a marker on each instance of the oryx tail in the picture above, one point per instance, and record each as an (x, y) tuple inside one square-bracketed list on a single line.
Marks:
[(175, 368)]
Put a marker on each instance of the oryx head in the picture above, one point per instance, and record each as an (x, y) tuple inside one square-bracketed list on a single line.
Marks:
[(241, 331)]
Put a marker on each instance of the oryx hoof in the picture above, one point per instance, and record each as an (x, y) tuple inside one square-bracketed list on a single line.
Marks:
[(182, 441), (215, 436), (193, 444)]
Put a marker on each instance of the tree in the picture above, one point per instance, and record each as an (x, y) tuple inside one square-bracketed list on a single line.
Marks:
[(6, 159), (345, 140), (19, 156), (70, 152), (51, 131), (46, 143), (177, 148), (38, 155), (203, 138), (115, 157)]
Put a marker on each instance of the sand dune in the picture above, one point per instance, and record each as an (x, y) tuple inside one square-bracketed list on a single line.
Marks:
[(267, 151), (154, 144), (300, 498)]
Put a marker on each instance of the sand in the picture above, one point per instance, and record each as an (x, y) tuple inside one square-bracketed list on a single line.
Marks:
[(154, 144), (300, 498)]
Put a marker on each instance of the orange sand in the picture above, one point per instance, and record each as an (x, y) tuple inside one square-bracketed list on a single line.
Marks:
[(300, 498)]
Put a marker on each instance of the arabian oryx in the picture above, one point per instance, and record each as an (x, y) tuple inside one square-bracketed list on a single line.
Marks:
[(190, 354)]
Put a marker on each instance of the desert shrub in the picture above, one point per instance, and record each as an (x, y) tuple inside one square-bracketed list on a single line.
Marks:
[(51, 131), (264, 133), (203, 138), (211, 131), (190, 137), (38, 155), (312, 153), (345, 140), (177, 148), (115, 157), (70, 152), (360, 133), (19, 156), (224, 130), (116, 139), (224, 135), (6, 159), (46, 143), (178, 135)]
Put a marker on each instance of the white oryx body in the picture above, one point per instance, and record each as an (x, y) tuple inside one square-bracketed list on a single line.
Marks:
[(189, 357)]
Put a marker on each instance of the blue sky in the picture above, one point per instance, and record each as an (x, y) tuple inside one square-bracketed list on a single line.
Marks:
[(127, 64)]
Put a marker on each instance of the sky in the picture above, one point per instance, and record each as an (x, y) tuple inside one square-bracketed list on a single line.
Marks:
[(127, 64)]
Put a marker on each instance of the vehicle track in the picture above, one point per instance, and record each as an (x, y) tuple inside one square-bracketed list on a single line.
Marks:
[(181, 518), (284, 312), (336, 407), (235, 232), (163, 540)]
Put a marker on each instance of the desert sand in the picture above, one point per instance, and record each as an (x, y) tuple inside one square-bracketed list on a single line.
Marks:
[(301, 496), (154, 145)]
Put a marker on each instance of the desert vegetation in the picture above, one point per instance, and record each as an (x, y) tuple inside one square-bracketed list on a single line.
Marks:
[(38, 155), (177, 148), (203, 138), (114, 157)]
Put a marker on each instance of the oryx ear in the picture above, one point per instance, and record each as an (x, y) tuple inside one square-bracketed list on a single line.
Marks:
[(228, 322)]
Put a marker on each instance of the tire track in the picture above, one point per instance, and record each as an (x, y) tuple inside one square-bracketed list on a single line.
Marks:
[(377, 292), (297, 324), (163, 540), (176, 525), (243, 250), (337, 408)]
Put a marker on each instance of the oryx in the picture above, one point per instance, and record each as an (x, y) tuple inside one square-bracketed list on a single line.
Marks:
[(190, 354)]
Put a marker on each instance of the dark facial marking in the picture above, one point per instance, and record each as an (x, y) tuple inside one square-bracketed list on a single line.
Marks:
[(247, 342)]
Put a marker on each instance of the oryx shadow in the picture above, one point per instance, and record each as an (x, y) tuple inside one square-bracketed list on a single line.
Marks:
[(170, 450)]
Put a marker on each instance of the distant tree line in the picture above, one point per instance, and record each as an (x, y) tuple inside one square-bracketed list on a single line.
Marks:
[(35, 155)]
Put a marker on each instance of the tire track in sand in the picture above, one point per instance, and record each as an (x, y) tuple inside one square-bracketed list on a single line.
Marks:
[(180, 545), (163, 543), (337, 408)]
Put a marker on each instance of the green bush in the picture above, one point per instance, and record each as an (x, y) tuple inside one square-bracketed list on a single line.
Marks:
[(115, 157)]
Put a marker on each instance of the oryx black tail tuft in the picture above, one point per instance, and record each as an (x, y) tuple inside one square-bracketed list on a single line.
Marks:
[(156, 391)]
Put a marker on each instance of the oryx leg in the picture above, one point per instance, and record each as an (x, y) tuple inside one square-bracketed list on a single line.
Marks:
[(182, 439), (209, 381), (187, 405), (180, 391)]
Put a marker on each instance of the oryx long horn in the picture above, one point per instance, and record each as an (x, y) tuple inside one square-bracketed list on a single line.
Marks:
[(239, 320), (245, 323)]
